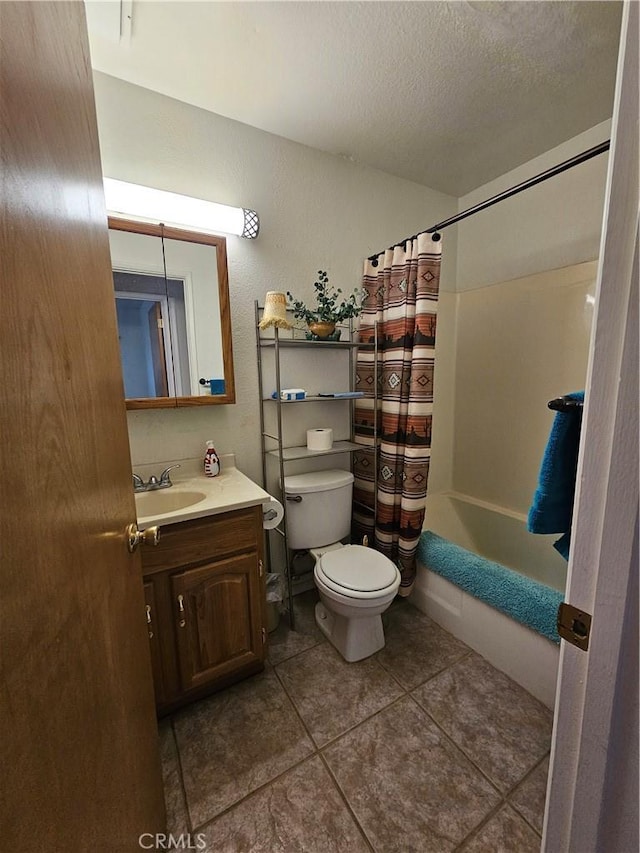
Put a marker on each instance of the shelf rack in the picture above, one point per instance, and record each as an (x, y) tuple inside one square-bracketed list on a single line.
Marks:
[(289, 454), (283, 454)]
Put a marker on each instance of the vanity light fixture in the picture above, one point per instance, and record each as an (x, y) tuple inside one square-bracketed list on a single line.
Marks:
[(180, 211)]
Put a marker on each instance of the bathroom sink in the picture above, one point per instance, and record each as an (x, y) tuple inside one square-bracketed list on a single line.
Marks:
[(165, 500)]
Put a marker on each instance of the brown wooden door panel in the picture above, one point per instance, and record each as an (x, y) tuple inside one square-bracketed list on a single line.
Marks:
[(219, 628), (218, 623), (79, 747)]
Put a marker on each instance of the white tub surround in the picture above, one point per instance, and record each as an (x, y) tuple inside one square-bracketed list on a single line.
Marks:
[(230, 490), (500, 536), (533, 334), (530, 659), (497, 533)]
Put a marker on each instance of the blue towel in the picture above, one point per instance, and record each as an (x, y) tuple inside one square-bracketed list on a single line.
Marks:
[(552, 505), (524, 599)]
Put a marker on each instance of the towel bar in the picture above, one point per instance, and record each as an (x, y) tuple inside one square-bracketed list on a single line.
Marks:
[(565, 404)]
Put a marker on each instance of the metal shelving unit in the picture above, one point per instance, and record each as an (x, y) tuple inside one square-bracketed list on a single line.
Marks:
[(291, 453), (281, 454)]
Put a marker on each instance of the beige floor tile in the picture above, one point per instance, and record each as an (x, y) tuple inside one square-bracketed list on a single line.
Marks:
[(529, 797), (177, 820), (415, 647), (300, 811), (332, 695), (500, 726), (409, 788), (506, 832), (234, 742)]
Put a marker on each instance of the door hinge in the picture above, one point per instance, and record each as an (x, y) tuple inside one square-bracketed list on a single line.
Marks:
[(260, 568), (160, 323), (264, 635), (574, 625)]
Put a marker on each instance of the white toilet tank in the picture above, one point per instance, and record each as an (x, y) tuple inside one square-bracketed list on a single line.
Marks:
[(322, 516)]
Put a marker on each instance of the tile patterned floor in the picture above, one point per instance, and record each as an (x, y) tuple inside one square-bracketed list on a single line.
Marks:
[(422, 747)]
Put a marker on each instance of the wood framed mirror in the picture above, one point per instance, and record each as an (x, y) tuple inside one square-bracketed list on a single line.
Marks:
[(171, 290)]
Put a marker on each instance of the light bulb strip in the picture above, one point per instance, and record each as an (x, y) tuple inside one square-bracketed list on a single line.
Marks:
[(179, 211)]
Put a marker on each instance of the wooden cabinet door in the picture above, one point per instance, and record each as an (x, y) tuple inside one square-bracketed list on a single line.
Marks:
[(152, 620), (218, 620)]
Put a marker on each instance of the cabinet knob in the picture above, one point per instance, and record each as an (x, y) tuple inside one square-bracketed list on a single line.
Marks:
[(150, 536)]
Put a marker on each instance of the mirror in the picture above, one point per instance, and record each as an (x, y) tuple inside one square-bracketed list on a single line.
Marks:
[(174, 324)]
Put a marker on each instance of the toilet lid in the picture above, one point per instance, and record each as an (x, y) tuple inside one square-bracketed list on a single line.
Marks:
[(357, 568)]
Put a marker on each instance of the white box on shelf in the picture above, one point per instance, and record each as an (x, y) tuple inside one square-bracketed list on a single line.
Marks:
[(290, 394)]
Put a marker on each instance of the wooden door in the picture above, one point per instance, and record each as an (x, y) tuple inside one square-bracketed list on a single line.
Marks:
[(218, 619), (79, 752)]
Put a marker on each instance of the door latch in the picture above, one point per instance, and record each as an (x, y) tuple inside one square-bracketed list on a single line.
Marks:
[(574, 625)]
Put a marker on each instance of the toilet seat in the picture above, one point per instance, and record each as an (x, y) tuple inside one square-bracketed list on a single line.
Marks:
[(357, 572)]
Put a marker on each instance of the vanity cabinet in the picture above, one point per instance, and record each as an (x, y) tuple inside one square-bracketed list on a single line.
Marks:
[(217, 633), (204, 602)]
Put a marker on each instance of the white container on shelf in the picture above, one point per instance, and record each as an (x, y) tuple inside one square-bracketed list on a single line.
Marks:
[(319, 439)]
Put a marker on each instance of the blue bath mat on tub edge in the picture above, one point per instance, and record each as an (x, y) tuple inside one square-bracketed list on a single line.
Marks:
[(531, 603)]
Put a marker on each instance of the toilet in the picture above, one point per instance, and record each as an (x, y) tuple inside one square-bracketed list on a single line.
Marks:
[(356, 584)]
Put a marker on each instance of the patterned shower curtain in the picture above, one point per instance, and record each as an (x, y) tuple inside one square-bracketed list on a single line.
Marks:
[(401, 297)]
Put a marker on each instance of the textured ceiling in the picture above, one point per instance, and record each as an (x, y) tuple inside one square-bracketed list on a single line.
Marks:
[(448, 94)]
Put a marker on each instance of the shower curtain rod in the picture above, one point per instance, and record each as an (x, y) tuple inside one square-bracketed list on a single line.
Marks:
[(518, 188)]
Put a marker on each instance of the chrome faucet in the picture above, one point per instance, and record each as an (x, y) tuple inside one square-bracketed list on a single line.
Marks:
[(153, 483)]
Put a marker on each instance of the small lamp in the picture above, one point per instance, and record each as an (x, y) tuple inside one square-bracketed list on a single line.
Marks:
[(275, 311)]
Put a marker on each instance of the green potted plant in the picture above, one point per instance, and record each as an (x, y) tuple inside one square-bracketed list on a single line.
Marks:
[(331, 309)]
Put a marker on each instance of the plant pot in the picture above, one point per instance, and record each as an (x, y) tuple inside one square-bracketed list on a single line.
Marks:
[(322, 330)]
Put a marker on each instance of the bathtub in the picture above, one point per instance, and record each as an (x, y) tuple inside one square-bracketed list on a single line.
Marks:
[(500, 536)]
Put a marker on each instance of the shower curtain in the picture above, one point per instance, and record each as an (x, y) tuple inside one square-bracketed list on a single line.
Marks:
[(401, 302)]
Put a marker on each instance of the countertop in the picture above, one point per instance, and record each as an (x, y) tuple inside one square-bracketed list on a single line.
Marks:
[(230, 490)]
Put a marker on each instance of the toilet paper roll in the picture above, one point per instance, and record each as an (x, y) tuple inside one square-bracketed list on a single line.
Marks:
[(319, 439), (272, 514)]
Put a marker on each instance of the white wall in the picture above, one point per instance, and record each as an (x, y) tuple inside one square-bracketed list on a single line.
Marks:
[(521, 332), (317, 212), (554, 224)]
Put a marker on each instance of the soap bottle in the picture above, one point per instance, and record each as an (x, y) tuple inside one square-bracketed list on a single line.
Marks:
[(211, 461)]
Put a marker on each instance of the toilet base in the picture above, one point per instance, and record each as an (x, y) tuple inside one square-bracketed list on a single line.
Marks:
[(355, 637)]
